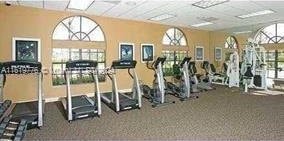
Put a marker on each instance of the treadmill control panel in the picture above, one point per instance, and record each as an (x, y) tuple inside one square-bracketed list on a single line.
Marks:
[(21, 67), (124, 64), (81, 65)]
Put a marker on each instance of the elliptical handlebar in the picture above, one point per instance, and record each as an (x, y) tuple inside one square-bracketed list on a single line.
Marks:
[(155, 64), (185, 60)]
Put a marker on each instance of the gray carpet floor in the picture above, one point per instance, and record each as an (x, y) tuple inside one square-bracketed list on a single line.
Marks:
[(221, 114)]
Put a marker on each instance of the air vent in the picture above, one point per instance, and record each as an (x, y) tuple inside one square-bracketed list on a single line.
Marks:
[(207, 19), (115, 2)]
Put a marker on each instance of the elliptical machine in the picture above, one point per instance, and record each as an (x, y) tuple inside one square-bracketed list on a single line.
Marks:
[(183, 89), (156, 94), (199, 85)]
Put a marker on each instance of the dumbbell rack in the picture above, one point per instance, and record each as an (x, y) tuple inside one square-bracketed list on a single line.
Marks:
[(10, 130)]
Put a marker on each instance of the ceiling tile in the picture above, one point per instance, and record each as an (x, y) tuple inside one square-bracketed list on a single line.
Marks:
[(100, 7), (56, 5), (186, 14), (144, 8), (36, 4), (124, 6), (170, 8)]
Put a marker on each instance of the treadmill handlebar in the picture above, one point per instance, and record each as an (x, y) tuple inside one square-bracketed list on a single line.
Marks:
[(21, 67), (124, 64), (81, 65)]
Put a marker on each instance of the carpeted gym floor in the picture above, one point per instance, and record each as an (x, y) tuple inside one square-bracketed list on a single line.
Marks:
[(219, 114)]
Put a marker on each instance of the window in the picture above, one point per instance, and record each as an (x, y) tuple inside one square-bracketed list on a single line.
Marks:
[(270, 60), (174, 37), (61, 55), (78, 28), (275, 63), (173, 57), (271, 34), (231, 42)]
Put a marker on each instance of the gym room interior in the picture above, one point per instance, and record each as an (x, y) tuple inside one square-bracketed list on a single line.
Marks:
[(141, 70)]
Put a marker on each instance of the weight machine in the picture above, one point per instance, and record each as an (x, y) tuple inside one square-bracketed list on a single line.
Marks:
[(230, 74), (233, 70), (253, 68)]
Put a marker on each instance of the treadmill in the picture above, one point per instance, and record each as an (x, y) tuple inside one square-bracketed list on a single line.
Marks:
[(78, 107), (32, 111), (119, 101), (1, 83), (4, 105)]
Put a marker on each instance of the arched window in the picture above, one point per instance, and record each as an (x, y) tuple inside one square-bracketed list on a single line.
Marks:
[(174, 37), (271, 34), (231, 42), (78, 28)]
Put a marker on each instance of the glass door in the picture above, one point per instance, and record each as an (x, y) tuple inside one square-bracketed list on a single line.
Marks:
[(271, 64), (279, 73)]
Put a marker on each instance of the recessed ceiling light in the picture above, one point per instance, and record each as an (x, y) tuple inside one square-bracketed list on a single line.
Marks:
[(258, 13), (80, 4), (202, 24), (162, 17), (208, 3), (242, 32)]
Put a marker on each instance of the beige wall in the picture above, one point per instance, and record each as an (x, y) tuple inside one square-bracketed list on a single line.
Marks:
[(37, 23)]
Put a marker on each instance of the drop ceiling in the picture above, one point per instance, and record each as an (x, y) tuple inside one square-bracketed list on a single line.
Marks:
[(223, 15)]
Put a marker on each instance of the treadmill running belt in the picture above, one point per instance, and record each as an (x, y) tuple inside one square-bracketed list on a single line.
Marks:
[(125, 101), (80, 101), (25, 108), (81, 105), (122, 98)]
